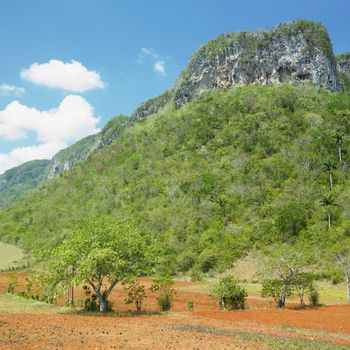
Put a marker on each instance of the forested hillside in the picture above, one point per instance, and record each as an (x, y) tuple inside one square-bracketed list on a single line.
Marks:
[(229, 171)]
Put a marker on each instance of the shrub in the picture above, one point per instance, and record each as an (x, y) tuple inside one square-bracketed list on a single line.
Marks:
[(12, 283), (190, 306), (231, 295), (314, 298), (163, 286), (271, 289), (136, 293)]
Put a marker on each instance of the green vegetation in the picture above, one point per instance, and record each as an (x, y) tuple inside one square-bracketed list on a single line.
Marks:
[(153, 105), (162, 285), (230, 294), (16, 181), (113, 128), (230, 171), (100, 253), (74, 154)]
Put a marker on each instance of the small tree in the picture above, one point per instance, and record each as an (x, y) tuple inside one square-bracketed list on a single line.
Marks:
[(284, 263), (329, 166), (100, 252), (303, 283), (136, 293), (12, 283), (327, 202), (272, 289), (29, 284), (230, 294), (341, 256), (163, 286)]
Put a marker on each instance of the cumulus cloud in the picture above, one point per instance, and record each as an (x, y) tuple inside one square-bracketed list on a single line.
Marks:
[(6, 90), (159, 67), (55, 129), (69, 76)]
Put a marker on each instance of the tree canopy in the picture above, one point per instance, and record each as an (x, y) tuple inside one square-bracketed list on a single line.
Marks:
[(100, 252)]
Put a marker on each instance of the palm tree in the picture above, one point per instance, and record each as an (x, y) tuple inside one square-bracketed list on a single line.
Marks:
[(330, 165), (339, 141), (327, 202)]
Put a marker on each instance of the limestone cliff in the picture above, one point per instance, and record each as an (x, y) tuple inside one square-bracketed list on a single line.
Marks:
[(296, 52), (343, 65)]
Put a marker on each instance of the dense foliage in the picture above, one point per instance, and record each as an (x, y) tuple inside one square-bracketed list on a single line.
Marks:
[(100, 253), (227, 172), (230, 294)]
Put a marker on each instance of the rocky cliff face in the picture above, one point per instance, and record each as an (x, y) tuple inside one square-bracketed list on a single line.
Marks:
[(343, 65), (69, 157), (297, 52)]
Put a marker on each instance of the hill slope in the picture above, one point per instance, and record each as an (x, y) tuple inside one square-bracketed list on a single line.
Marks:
[(226, 172)]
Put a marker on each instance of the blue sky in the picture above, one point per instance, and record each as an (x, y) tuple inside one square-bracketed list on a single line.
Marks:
[(124, 51)]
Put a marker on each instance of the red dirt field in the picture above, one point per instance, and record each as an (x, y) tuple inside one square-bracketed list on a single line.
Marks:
[(206, 328)]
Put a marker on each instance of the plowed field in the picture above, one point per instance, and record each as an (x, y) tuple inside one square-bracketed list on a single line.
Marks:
[(258, 327)]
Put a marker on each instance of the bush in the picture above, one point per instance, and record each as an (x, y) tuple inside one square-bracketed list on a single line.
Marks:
[(162, 285), (231, 296), (272, 289), (314, 298), (12, 283), (136, 293)]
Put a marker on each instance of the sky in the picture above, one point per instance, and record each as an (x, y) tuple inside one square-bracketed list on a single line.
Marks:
[(67, 67)]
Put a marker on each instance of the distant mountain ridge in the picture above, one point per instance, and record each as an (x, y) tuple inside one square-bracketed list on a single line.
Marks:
[(19, 180)]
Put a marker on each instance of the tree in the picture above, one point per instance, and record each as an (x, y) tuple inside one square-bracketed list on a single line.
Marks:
[(100, 252), (303, 283), (341, 255), (284, 263), (327, 202), (329, 166), (339, 140)]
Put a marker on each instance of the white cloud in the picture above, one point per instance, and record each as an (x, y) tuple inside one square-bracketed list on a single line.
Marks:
[(70, 76), (159, 67), (151, 56), (55, 128), (6, 90), (146, 52), (24, 154)]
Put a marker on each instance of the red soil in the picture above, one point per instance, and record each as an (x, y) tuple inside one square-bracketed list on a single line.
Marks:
[(175, 331)]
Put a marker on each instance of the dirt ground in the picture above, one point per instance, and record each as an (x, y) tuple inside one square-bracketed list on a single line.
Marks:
[(207, 327)]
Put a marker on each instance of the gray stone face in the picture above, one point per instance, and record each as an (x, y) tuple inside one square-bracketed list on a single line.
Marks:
[(344, 65), (292, 53), (285, 59)]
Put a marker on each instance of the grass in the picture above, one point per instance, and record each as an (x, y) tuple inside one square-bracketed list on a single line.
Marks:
[(9, 254), (13, 304), (273, 341)]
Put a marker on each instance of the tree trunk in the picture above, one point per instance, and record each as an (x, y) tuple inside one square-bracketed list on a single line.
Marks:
[(329, 220), (330, 181), (348, 287), (340, 152), (102, 300), (282, 299), (103, 304)]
